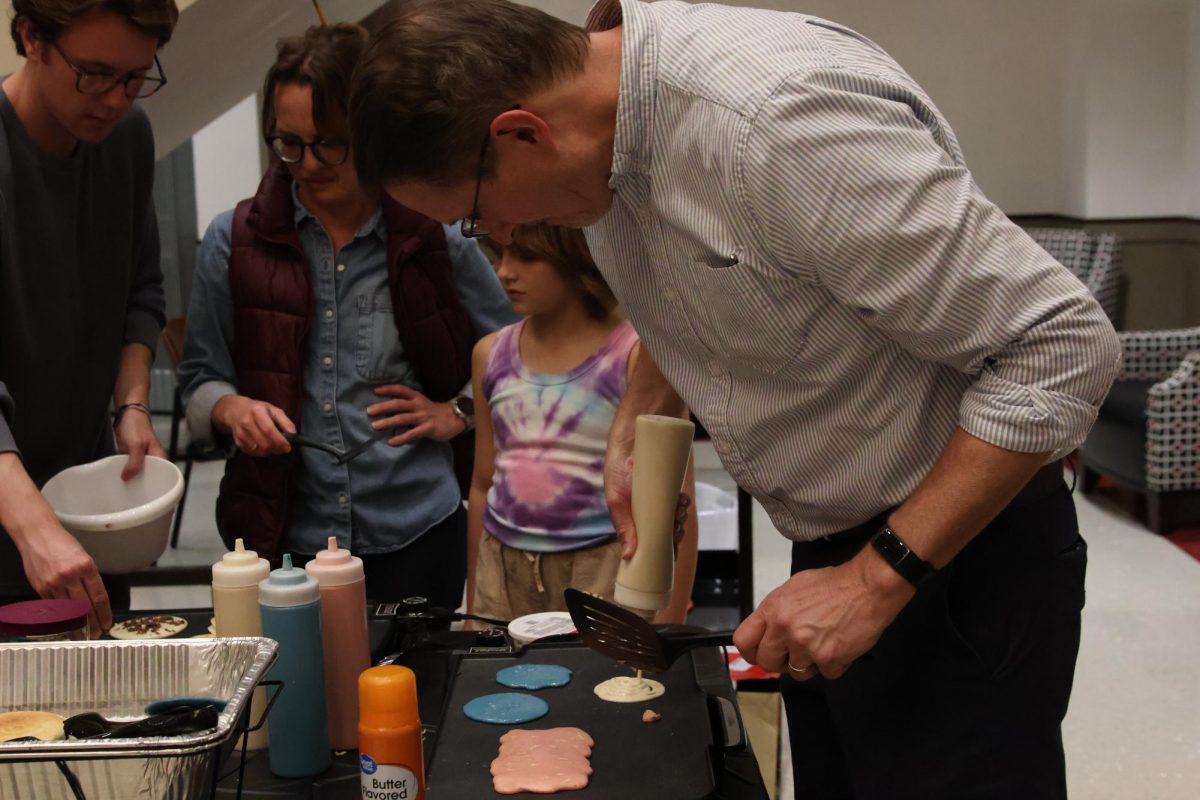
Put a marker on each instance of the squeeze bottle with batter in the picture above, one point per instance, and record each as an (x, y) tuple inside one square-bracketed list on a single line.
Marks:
[(391, 759), (291, 615), (343, 636), (235, 580), (661, 449)]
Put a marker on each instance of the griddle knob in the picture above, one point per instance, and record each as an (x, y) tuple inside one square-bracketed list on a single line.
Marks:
[(414, 605), (490, 637)]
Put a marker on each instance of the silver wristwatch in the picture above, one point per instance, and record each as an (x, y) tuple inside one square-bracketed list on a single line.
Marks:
[(464, 408)]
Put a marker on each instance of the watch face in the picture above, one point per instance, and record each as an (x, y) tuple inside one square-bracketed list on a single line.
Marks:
[(891, 547), (465, 405)]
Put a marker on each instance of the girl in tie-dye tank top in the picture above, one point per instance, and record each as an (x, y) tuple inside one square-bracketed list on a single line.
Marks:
[(538, 518)]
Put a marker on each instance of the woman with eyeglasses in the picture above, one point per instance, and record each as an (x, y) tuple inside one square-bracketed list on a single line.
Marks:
[(81, 294), (322, 307)]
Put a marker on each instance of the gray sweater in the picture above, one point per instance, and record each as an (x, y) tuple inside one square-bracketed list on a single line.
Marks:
[(79, 279)]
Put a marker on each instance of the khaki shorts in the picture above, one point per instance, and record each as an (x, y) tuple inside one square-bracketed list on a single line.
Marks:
[(511, 583)]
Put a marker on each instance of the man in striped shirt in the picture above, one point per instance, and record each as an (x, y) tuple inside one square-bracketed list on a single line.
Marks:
[(882, 359)]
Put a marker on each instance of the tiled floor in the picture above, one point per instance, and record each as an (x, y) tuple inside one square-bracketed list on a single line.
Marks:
[(1133, 730)]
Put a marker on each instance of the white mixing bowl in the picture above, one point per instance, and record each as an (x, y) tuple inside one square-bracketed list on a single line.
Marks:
[(123, 525)]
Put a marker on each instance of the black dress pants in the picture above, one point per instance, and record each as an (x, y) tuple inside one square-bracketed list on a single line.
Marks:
[(433, 566), (964, 694)]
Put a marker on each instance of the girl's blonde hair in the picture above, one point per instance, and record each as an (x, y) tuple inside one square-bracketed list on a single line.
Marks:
[(566, 250)]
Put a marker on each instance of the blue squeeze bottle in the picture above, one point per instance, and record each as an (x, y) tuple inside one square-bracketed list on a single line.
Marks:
[(291, 615)]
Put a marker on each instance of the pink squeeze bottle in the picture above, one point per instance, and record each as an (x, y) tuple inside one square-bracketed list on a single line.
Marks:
[(344, 634)]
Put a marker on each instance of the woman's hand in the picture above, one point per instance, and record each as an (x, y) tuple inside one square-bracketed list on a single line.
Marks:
[(408, 408), (256, 426)]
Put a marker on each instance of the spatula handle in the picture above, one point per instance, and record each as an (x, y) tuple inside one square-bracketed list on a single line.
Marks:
[(299, 440), (690, 641)]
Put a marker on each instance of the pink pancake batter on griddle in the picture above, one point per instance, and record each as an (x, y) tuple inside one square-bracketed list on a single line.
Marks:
[(542, 762)]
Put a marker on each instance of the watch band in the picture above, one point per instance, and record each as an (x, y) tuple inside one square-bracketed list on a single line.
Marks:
[(900, 557)]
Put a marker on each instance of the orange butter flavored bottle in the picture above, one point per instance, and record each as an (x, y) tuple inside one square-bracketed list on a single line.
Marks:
[(344, 637), (391, 757)]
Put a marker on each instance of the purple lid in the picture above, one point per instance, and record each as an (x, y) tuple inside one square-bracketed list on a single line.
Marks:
[(43, 617)]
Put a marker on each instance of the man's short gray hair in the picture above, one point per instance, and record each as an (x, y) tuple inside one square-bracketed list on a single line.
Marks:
[(437, 72)]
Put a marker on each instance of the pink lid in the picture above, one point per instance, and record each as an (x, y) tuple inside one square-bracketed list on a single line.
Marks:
[(335, 566), (43, 617)]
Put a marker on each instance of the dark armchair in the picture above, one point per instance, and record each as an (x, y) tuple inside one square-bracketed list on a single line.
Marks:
[(1094, 258), (1147, 437)]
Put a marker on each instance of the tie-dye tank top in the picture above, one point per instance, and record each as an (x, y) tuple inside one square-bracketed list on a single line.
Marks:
[(550, 434)]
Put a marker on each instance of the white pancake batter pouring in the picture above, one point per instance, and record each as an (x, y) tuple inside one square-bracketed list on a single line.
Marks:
[(622, 689)]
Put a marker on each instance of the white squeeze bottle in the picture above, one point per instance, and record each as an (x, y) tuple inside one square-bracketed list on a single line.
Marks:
[(662, 447), (235, 580)]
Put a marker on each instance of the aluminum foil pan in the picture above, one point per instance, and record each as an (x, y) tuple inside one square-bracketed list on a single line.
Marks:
[(117, 680)]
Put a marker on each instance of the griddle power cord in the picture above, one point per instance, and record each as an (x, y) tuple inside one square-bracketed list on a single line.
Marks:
[(72, 781)]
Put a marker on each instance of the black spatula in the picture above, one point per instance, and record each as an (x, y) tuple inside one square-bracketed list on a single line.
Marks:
[(625, 637)]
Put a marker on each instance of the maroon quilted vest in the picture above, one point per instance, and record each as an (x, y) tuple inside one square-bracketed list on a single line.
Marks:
[(272, 312)]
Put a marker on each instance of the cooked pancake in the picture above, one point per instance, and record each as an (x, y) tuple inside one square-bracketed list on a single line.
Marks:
[(157, 627), (38, 724)]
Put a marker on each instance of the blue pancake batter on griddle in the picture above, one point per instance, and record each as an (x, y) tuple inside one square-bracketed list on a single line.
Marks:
[(506, 708), (533, 676)]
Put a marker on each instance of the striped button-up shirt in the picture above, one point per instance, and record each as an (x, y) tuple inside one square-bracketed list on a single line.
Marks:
[(800, 245)]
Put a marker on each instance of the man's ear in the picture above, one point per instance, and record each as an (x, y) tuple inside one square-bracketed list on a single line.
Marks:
[(523, 125), (35, 48)]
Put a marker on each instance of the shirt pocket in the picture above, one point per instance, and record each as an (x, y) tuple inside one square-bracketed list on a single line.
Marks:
[(378, 356), (754, 319)]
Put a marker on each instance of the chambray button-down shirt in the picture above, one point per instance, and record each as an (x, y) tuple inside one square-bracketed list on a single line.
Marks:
[(797, 239), (387, 496)]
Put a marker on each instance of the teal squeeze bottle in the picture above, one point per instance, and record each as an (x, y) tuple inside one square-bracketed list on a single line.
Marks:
[(291, 615)]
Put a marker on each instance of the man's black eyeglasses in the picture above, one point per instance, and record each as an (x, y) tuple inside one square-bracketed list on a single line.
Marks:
[(290, 150), (470, 226), (137, 83)]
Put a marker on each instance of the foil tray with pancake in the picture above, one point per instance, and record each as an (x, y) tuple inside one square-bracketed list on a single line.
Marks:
[(632, 759)]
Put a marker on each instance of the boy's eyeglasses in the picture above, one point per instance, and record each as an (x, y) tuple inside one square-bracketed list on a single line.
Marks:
[(290, 150), (137, 83)]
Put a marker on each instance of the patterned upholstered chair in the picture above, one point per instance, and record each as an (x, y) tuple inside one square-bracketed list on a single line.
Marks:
[(1095, 258), (1147, 436)]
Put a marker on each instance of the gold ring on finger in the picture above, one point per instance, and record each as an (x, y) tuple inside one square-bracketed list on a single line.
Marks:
[(799, 670)]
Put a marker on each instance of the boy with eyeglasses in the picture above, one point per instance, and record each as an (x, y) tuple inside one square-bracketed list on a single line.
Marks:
[(81, 297)]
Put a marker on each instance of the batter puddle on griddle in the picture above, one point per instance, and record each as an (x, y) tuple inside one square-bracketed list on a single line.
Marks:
[(506, 708), (533, 676), (542, 761), (622, 689)]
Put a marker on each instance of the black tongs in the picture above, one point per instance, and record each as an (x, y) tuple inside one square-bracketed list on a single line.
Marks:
[(339, 456), (172, 722)]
